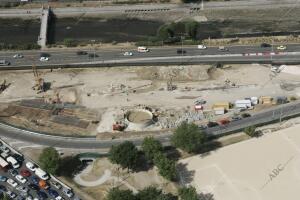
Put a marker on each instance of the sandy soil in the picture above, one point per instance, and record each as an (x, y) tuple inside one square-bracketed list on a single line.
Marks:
[(260, 168)]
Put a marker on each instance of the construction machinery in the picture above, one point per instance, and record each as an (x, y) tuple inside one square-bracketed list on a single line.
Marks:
[(39, 81), (3, 86)]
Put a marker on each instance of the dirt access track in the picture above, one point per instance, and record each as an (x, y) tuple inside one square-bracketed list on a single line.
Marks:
[(262, 168)]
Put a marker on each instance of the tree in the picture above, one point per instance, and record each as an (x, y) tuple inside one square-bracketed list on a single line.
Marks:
[(191, 29), (188, 137), (125, 154), (117, 194), (69, 166), (166, 167), (70, 42), (188, 193), (165, 32), (251, 131), (49, 160), (152, 193), (150, 147)]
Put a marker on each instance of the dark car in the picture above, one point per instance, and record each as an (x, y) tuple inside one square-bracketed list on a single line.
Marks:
[(265, 45), (81, 53), (13, 172), (35, 180), (42, 195), (236, 118), (245, 115), (34, 187), (181, 51), (93, 55), (212, 124), (2, 188), (18, 157), (52, 193)]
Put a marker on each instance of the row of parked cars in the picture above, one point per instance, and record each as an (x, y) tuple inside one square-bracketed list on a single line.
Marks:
[(27, 181)]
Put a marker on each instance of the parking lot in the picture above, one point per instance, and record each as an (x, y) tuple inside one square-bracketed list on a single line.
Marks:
[(24, 180)]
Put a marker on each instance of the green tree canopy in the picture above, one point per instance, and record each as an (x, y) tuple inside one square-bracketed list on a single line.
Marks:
[(188, 137), (166, 167), (69, 166), (188, 193), (251, 131), (125, 154), (49, 160), (117, 194), (191, 29), (150, 147), (153, 193)]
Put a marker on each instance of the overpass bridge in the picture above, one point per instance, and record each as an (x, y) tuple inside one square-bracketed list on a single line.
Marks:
[(42, 39)]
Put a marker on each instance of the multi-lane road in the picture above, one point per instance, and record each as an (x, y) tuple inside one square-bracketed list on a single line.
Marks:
[(164, 55)]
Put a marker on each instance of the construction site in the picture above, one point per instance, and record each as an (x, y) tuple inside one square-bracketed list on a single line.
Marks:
[(129, 101)]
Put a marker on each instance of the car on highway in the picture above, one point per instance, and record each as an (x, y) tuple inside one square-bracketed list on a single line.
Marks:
[(22, 189), (21, 179), (42, 195), (222, 48), (128, 53), (181, 51), (202, 47), (281, 47), (265, 45), (68, 192), (34, 187), (236, 118), (245, 115), (11, 194), (25, 173), (4, 148), (212, 124), (43, 59), (12, 182), (4, 62), (93, 55), (13, 172), (143, 49), (80, 53), (56, 184), (3, 178), (18, 56), (32, 167)]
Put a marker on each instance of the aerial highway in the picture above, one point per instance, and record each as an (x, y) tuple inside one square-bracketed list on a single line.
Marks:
[(277, 113), (164, 55)]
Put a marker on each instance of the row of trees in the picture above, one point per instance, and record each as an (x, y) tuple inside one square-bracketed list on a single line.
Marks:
[(26, 46), (51, 161), (152, 193)]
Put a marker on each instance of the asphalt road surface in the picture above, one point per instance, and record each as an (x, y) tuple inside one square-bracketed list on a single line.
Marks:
[(164, 55), (269, 115)]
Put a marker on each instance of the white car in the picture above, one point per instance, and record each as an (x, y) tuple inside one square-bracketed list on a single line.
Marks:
[(127, 53), (44, 59), (68, 192), (31, 166), (22, 189), (18, 55), (281, 47), (59, 198), (12, 182), (201, 46), (21, 179)]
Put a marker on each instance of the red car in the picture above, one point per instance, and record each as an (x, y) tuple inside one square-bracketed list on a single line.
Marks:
[(25, 173)]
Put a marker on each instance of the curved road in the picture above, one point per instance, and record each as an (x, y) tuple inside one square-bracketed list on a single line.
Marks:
[(266, 116)]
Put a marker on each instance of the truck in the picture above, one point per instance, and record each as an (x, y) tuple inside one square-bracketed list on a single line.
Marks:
[(143, 49)]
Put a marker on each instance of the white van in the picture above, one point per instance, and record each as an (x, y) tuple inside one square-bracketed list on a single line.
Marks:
[(143, 49), (41, 174), (13, 162)]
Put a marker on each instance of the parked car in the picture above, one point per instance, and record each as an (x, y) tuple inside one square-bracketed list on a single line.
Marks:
[(22, 189), (21, 179), (18, 157), (42, 195), (25, 173), (4, 148), (265, 45), (68, 192), (18, 55), (59, 198), (13, 172), (12, 182), (31, 166), (11, 194), (53, 193), (34, 187), (3, 178), (181, 51), (35, 180), (128, 53), (2, 188), (56, 185), (43, 184), (41, 174)]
